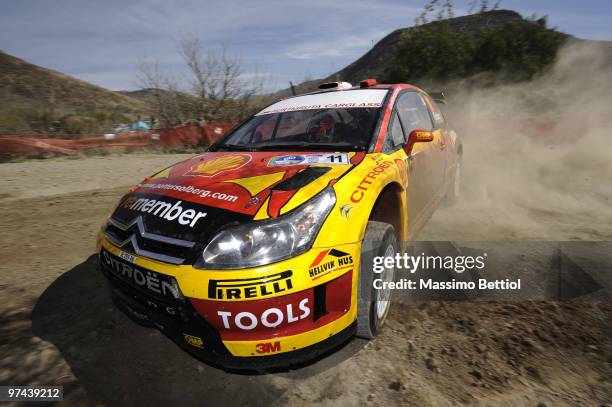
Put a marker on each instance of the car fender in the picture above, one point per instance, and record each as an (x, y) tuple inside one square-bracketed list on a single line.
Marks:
[(356, 195)]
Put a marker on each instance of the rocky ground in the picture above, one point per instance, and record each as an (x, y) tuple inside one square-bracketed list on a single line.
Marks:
[(58, 326)]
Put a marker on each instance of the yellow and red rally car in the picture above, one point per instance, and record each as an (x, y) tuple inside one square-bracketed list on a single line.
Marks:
[(259, 251)]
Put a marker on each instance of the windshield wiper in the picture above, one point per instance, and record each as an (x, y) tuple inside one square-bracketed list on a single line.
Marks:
[(310, 146), (338, 146), (281, 146), (292, 145), (236, 147)]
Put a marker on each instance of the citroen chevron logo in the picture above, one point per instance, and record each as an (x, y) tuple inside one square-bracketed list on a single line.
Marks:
[(147, 235), (345, 210), (140, 230)]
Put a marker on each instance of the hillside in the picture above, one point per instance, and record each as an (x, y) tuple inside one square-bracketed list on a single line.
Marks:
[(36, 99), (377, 62), (33, 98), (146, 96)]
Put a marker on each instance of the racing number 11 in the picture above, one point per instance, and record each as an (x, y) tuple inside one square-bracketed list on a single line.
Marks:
[(336, 158)]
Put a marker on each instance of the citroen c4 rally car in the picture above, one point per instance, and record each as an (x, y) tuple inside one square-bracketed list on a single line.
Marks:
[(259, 251)]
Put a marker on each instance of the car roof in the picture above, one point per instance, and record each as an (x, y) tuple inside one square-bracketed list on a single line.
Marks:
[(377, 86)]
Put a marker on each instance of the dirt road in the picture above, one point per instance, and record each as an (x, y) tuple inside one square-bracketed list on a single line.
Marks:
[(58, 326)]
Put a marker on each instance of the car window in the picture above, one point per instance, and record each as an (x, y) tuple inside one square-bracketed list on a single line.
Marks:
[(263, 131), (396, 134), (438, 117), (413, 111)]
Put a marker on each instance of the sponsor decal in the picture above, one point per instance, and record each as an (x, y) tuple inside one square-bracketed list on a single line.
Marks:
[(349, 105), (214, 166), (162, 174), (287, 160), (165, 210), (358, 98), (243, 288), (268, 347), (202, 193), (323, 106), (365, 183), (147, 280), (309, 159), (327, 261), (127, 256), (253, 201), (193, 340), (129, 201), (269, 318), (345, 210), (258, 183)]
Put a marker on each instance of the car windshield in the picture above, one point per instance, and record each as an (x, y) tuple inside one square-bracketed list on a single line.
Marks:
[(340, 121), (337, 129)]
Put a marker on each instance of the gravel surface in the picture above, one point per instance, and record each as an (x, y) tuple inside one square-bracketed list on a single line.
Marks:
[(58, 326)]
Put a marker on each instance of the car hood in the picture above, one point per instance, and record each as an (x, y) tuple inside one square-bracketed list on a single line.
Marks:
[(194, 199), (256, 184)]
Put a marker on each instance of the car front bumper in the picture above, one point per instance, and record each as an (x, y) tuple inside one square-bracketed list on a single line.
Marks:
[(293, 324)]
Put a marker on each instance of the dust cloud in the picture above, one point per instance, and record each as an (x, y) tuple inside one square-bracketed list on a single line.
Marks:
[(537, 161)]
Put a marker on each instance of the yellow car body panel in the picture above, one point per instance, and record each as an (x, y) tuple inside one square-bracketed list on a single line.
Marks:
[(273, 308)]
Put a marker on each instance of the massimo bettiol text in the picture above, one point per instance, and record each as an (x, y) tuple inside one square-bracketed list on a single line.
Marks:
[(408, 270)]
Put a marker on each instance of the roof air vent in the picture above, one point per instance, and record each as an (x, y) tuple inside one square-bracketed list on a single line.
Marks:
[(335, 85)]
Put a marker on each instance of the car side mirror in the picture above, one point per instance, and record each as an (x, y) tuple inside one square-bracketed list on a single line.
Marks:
[(418, 136)]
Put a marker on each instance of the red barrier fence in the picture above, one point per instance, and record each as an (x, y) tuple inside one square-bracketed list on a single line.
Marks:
[(192, 135), (51, 144)]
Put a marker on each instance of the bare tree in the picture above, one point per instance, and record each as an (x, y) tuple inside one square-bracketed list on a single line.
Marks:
[(445, 9), (427, 9), (217, 82), (167, 100), (216, 87), (450, 8)]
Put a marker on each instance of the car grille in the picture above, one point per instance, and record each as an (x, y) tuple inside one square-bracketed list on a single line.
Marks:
[(134, 237)]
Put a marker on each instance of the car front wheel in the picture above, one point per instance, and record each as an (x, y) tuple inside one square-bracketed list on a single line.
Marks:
[(374, 304)]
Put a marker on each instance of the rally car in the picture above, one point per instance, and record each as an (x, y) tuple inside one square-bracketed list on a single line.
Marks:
[(258, 252)]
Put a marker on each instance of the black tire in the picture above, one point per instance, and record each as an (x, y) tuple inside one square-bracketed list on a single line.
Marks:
[(454, 188), (379, 240)]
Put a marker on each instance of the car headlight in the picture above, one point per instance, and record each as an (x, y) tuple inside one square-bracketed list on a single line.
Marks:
[(268, 241)]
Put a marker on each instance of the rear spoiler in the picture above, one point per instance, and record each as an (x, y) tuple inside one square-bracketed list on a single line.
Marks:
[(438, 97)]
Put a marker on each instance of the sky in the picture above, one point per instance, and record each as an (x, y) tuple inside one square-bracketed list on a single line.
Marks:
[(285, 40)]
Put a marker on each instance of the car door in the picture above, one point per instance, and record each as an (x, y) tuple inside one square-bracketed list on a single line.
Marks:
[(424, 172), (445, 144)]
